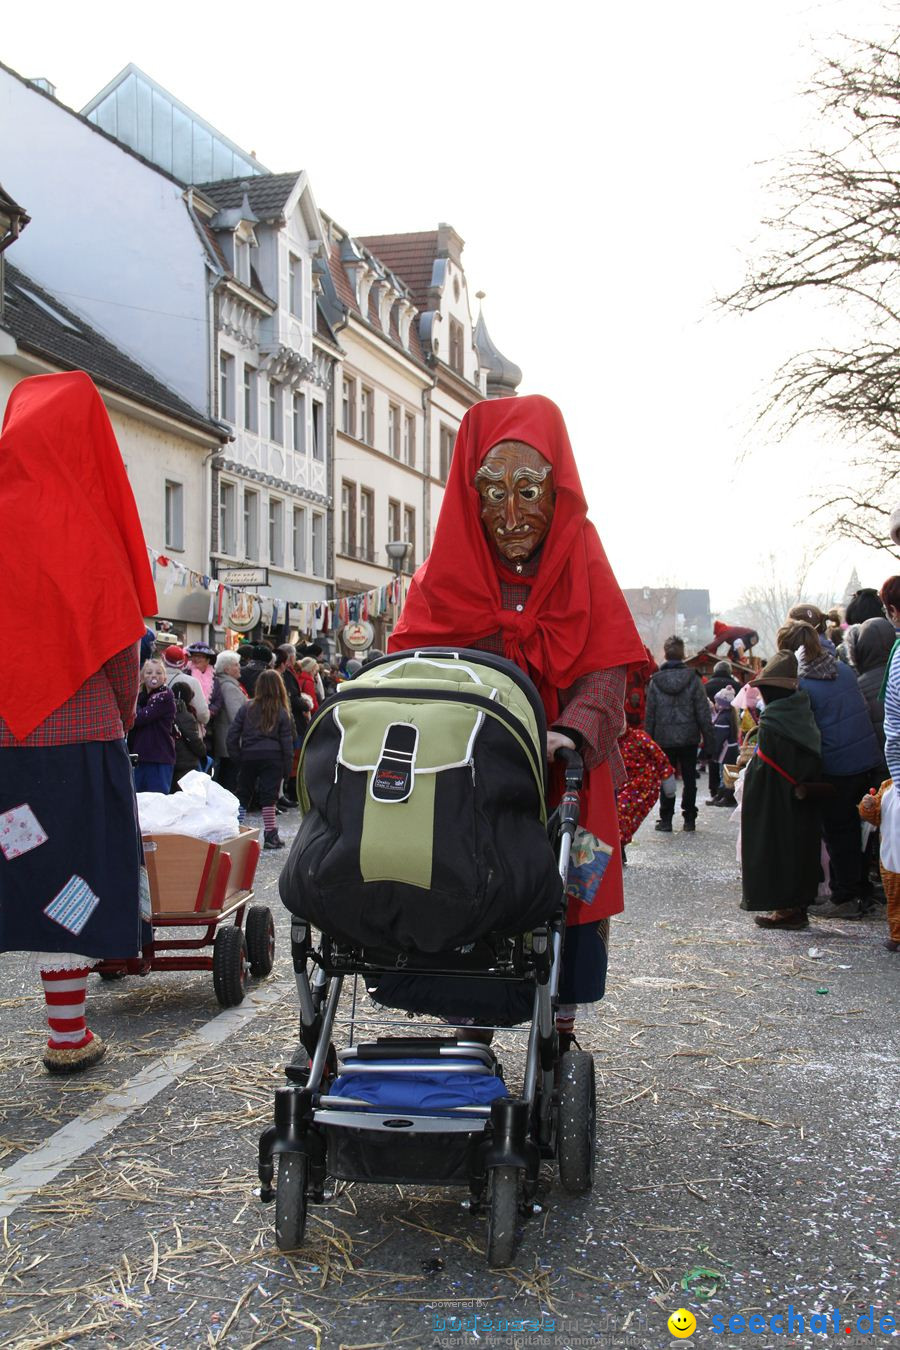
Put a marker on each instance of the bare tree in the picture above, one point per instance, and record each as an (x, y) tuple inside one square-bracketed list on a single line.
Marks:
[(838, 236), (764, 606), (655, 613)]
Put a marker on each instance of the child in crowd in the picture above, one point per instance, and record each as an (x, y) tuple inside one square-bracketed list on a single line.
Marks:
[(881, 808), (725, 727), (152, 738), (261, 739)]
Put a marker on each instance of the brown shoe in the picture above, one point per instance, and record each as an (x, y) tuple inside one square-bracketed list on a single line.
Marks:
[(77, 1059), (783, 918)]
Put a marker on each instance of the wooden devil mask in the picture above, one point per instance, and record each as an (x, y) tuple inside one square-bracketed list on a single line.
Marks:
[(515, 484)]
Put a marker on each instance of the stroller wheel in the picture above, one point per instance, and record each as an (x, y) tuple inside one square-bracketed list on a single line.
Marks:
[(503, 1215), (577, 1122), (290, 1201)]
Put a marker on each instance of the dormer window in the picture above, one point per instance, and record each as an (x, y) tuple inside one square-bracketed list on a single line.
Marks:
[(242, 259)]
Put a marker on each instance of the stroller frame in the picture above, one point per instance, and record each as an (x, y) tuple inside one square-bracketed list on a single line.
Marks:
[(495, 1149)]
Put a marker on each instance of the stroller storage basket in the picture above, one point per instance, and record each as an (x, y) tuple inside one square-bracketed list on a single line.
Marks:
[(422, 786)]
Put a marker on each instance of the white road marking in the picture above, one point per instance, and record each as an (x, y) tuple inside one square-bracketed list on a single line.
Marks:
[(20, 1181)]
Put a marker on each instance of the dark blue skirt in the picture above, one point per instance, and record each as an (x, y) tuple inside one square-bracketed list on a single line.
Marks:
[(69, 851), (584, 963)]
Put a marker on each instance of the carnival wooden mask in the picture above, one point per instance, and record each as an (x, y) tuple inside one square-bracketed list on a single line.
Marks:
[(515, 483)]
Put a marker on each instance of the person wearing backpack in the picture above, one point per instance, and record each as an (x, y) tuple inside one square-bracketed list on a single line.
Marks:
[(261, 739), (678, 717), (190, 747)]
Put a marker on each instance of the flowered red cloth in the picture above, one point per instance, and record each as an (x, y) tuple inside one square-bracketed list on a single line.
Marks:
[(646, 765)]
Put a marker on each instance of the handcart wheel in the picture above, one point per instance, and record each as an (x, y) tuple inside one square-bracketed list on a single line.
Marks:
[(290, 1201), (503, 1215), (577, 1122), (230, 971), (111, 974), (260, 934)]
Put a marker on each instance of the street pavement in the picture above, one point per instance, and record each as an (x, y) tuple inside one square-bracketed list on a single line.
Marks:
[(747, 1125)]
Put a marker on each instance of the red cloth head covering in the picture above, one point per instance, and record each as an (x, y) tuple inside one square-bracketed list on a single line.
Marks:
[(74, 561), (576, 620)]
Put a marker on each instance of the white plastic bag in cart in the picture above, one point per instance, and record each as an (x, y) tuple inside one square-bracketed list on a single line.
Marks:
[(202, 809)]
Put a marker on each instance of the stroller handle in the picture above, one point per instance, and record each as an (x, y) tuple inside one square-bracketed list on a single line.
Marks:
[(574, 766)]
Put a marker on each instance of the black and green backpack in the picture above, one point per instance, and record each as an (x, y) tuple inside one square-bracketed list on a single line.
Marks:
[(422, 787)]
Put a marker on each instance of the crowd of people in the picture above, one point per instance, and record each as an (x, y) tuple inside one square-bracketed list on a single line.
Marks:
[(806, 749), (239, 714)]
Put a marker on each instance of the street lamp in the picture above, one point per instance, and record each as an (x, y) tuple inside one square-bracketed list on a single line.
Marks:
[(398, 551)]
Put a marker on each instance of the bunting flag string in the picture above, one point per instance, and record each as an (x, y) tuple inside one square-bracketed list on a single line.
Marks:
[(309, 616)]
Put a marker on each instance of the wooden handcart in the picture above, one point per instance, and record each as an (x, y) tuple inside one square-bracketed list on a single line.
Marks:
[(195, 884)]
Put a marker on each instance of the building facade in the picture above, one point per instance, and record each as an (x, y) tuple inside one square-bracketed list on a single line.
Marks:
[(274, 385), (166, 446), (340, 367)]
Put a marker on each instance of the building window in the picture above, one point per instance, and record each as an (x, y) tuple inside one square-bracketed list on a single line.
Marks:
[(299, 539), (295, 298), (456, 346), (251, 524), (318, 430), (318, 545), (394, 430), (409, 440), (250, 399), (409, 532), (446, 455), (226, 386), (366, 410), (367, 524), (298, 419), (348, 406), (228, 519), (276, 417), (276, 531), (394, 521), (174, 515), (348, 518)]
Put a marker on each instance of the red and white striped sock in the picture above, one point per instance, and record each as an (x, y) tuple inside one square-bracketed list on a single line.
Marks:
[(269, 821), (64, 991), (565, 1017)]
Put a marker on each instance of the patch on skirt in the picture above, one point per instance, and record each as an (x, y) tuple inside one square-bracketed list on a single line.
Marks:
[(73, 906), (588, 861), (20, 832)]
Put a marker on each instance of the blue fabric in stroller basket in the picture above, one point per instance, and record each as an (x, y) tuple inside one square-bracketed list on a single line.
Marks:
[(431, 1090)]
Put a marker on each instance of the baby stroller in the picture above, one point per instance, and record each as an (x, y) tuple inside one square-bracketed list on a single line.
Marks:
[(426, 860)]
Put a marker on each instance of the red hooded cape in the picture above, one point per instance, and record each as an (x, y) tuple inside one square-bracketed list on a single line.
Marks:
[(576, 620), (72, 551)]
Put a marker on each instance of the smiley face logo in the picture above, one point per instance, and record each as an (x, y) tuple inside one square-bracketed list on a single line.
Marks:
[(682, 1323)]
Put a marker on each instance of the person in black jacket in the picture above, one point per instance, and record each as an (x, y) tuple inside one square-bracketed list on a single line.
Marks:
[(261, 739), (190, 747), (678, 717)]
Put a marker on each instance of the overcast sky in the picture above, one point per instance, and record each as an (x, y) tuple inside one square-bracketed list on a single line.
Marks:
[(605, 165)]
